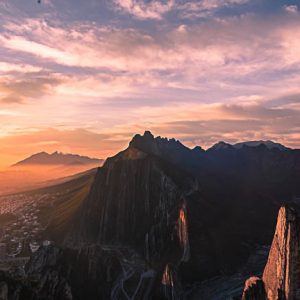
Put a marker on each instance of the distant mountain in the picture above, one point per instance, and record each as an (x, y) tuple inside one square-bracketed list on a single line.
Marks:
[(221, 146), (268, 144), (57, 158)]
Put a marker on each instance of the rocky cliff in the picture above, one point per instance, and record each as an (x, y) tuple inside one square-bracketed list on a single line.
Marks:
[(254, 289), (54, 273), (138, 203), (281, 276), (160, 220)]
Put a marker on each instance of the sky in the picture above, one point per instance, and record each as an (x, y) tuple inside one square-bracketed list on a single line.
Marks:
[(84, 76)]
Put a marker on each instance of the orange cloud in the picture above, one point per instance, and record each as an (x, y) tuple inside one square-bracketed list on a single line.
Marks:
[(19, 89), (196, 124)]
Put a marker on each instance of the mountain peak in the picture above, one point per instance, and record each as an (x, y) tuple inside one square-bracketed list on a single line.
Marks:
[(142, 140), (221, 146), (170, 150), (148, 134), (56, 158), (198, 149), (154, 145)]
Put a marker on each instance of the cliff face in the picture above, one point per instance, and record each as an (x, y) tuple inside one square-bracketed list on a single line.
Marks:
[(137, 204), (135, 201), (281, 276), (282, 272)]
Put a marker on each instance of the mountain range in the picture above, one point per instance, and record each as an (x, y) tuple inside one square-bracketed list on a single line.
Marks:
[(57, 158), (268, 144), (163, 221)]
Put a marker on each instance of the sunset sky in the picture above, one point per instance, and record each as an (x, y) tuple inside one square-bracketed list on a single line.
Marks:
[(84, 76)]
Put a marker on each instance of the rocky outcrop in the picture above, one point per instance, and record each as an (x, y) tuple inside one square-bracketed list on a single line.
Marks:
[(68, 271), (282, 272), (183, 234), (54, 273), (171, 288), (281, 276), (46, 270), (254, 289)]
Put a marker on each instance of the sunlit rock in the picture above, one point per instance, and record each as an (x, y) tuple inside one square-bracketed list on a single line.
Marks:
[(183, 233), (282, 272), (281, 276), (254, 289)]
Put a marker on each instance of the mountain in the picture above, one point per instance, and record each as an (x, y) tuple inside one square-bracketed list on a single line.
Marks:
[(57, 158), (280, 278), (221, 146), (163, 221), (268, 144), (42, 169), (190, 215)]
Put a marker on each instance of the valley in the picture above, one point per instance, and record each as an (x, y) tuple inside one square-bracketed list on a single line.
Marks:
[(37, 218)]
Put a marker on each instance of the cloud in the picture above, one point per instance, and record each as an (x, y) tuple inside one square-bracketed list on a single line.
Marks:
[(291, 9), (38, 49), (140, 9), (156, 9), (211, 58), (47, 2), (79, 141), (20, 89), (103, 69), (205, 8), (231, 78), (194, 124), (219, 46), (205, 124), (6, 67)]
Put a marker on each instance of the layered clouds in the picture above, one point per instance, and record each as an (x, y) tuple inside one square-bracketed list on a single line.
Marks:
[(200, 71), (157, 9)]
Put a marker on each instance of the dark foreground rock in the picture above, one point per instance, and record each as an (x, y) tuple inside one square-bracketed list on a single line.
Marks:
[(56, 274)]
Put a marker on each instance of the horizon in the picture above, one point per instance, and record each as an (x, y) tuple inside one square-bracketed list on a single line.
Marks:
[(85, 77), (169, 138)]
